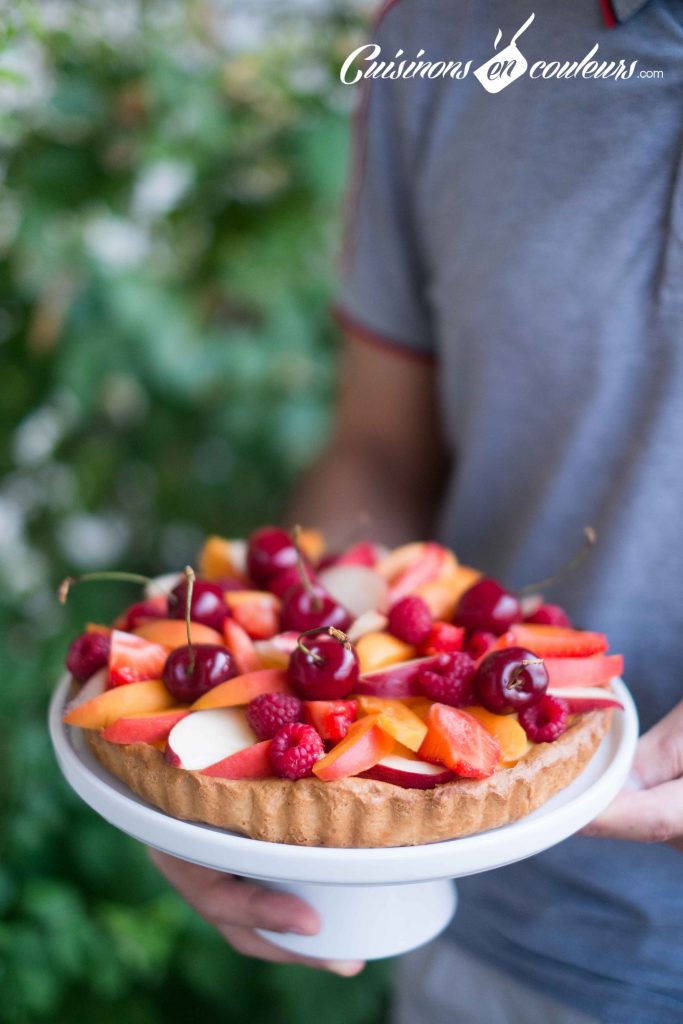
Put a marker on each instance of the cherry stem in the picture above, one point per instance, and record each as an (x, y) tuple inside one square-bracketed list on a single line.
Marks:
[(331, 631), (190, 577), (316, 599), (515, 680), (91, 577), (589, 539)]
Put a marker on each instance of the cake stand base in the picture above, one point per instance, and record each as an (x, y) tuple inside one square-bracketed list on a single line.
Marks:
[(368, 922)]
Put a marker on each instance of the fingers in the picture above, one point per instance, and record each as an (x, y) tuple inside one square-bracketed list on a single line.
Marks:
[(644, 816), (249, 943), (227, 901), (659, 755)]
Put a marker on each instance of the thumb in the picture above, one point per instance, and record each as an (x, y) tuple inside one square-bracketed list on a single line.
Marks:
[(659, 754)]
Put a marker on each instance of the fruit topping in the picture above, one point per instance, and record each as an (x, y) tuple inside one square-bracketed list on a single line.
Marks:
[(325, 667), (152, 727), (143, 611), (510, 680), (282, 581), (132, 659), (242, 689), (443, 638), (580, 699), (207, 605), (408, 772), (479, 643), (545, 721), (120, 702), (250, 763), (549, 615), (594, 671), (410, 620), (222, 559), (449, 679), (270, 711), (363, 746), (308, 606), (378, 650), (458, 741), (87, 654), (294, 750), (238, 641), (173, 633), (330, 718), (190, 672), (395, 719), (356, 588), (206, 737), (256, 611), (506, 729), (269, 551), (488, 606), (557, 641)]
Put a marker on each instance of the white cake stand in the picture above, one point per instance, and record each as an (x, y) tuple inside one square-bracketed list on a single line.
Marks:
[(373, 903)]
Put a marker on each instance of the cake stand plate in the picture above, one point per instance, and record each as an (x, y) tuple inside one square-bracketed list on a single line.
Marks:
[(373, 903)]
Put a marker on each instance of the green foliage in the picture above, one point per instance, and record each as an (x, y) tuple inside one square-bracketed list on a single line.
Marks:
[(168, 217)]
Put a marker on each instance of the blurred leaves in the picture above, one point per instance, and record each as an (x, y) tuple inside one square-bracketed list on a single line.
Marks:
[(170, 177)]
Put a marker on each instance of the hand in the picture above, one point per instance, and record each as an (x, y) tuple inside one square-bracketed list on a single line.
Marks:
[(650, 807), (237, 907)]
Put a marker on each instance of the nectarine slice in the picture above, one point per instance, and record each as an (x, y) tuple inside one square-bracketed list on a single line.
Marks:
[(377, 650), (172, 633), (121, 702), (363, 746), (242, 689)]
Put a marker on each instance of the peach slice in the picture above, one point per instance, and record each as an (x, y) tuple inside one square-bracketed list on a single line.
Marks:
[(251, 763), (357, 588), (172, 633), (506, 729), (152, 727), (242, 689), (378, 650), (397, 720), (221, 559), (204, 738), (256, 611), (242, 647), (443, 593), (363, 746), (121, 702)]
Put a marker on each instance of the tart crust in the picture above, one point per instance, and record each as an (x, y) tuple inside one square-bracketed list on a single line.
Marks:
[(356, 812)]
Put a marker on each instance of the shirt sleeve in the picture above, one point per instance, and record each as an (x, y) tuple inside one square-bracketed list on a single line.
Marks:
[(381, 295)]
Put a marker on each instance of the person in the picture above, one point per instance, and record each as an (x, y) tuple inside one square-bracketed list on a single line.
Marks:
[(513, 371)]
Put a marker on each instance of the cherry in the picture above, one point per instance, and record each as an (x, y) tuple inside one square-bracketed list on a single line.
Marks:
[(143, 611), (309, 606), (87, 654), (283, 580), (510, 680), (190, 672), (207, 606), (269, 551), (324, 668), (489, 607)]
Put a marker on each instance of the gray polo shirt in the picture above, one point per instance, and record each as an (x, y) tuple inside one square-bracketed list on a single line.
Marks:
[(530, 241)]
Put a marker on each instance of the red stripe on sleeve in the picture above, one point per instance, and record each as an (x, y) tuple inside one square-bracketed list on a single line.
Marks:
[(608, 15), (354, 327)]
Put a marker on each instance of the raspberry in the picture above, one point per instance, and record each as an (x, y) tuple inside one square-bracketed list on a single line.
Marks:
[(479, 643), (410, 620), (294, 750), (87, 654), (450, 680), (549, 615), (444, 637), (270, 711), (545, 721)]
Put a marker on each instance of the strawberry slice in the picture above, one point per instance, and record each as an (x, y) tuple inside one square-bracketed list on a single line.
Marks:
[(556, 641), (457, 740), (133, 659), (331, 718), (595, 671)]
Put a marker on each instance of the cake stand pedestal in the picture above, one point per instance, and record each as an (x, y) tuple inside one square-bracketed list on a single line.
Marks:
[(374, 903)]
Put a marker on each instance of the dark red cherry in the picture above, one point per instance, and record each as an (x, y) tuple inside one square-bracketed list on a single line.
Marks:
[(208, 604), (323, 668), (510, 680), (283, 580), (489, 607), (87, 654), (269, 551), (187, 682), (305, 608), (143, 611)]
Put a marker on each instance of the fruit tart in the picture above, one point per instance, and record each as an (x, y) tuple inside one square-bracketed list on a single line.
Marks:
[(363, 698)]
